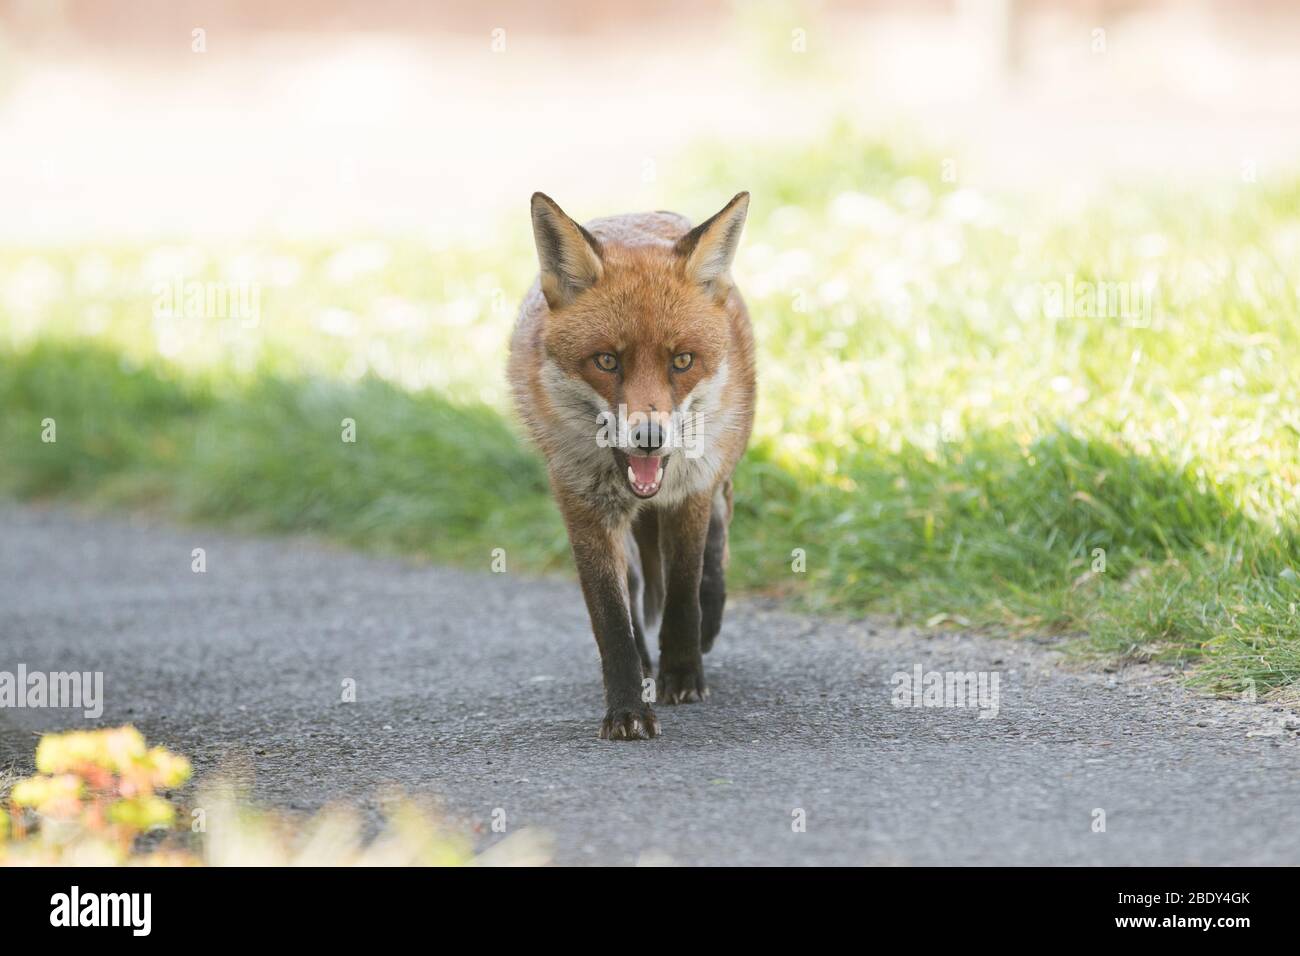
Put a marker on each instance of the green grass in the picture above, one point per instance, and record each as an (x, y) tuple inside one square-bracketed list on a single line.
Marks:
[(939, 440)]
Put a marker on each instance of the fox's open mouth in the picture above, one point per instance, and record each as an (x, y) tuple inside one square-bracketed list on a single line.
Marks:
[(644, 473)]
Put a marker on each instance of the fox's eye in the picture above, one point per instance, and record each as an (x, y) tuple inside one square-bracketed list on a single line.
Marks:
[(682, 361), (607, 361)]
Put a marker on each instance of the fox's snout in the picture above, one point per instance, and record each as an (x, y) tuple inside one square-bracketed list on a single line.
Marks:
[(649, 436), (649, 432)]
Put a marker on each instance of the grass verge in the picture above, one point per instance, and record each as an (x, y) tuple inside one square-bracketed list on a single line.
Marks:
[(954, 427)]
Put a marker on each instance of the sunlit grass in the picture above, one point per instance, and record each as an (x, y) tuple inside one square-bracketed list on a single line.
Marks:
[(937, 432)]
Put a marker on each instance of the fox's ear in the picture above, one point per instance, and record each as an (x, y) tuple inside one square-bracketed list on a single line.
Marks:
[(709, 248), (568, 254)]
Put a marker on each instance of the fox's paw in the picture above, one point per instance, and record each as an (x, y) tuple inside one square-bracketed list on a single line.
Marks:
[(624, 723), (682, 685)]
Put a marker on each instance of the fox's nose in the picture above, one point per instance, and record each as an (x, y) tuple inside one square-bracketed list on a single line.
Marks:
[(648, 435)]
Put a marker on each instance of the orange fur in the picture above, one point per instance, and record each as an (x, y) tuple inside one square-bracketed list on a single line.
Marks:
[(642, 288)]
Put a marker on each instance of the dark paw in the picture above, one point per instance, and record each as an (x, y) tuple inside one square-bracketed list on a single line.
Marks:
[(681, 685), (623, 723)]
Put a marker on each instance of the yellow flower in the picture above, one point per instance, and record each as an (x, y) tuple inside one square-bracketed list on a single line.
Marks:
[(169, 770), (114, 749), (142, 813), (122, 747), (52, 796)]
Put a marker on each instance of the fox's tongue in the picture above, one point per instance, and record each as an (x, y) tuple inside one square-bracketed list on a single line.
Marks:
[(644, 474), (644, 469)]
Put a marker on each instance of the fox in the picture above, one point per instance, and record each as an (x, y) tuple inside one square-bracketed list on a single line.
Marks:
[(632, 368)]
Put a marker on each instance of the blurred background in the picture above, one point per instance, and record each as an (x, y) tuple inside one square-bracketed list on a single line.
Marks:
[(424, 117), (1024, 275)]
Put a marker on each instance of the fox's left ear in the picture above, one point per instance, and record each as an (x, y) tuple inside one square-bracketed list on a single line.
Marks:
[(709, 248)]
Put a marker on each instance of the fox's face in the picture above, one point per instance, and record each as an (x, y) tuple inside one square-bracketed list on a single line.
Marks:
[(636, 346)]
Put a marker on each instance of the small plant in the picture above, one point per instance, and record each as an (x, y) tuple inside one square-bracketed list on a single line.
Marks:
[(100, 798), (95, 795)]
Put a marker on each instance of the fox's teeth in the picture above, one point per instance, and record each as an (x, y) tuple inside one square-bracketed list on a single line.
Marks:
[(659, 474), (631, 475)]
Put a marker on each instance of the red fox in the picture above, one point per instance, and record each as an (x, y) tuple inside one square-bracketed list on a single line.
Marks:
[(632, 367)]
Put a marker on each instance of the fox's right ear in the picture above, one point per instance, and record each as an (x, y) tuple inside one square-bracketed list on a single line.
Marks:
[(568, 254)]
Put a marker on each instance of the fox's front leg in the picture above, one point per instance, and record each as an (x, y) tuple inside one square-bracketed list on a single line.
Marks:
[(599, 552), (684, 530)]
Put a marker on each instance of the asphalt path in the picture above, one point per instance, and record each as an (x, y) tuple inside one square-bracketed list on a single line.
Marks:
[(482, 691)]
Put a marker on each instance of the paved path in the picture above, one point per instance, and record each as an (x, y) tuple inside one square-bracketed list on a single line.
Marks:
[(484, 689)]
